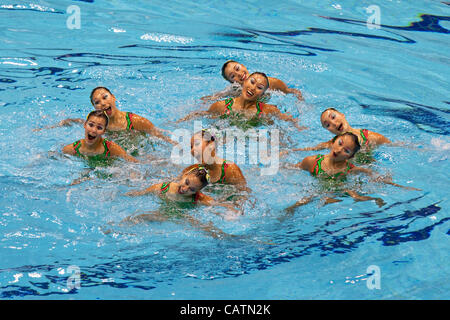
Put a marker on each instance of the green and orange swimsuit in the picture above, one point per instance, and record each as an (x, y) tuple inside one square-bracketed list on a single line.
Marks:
[(224, 168), (318, 171), (364, 135), (106, 153), (229, 104), (129, 116)]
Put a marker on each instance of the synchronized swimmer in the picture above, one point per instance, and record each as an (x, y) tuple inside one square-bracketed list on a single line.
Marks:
[(236, 73), (102, 99), (247, 104), (244, 100)]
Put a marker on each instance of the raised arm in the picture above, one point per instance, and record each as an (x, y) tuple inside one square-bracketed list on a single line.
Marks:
[(277, 84)]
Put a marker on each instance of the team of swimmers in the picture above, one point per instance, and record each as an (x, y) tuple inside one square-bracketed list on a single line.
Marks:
[(247, 97)]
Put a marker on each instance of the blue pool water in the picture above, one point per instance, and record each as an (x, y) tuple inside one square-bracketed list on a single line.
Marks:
[(159, 58)]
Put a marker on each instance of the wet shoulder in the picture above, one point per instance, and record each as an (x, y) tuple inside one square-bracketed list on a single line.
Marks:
[(218, 107)]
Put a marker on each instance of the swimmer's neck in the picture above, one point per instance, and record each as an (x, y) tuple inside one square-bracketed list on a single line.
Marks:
[(353, 130), (95, 146), (245, 103), (330, 163)]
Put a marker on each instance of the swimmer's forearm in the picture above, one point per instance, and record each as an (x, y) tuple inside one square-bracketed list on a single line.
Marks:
[(289, 118), (68, 122), (358, 197), (158, 133), (192, 115), (296, 92), (62, 123), (137, 193), (129, 158), (213, 97), (320, 146)]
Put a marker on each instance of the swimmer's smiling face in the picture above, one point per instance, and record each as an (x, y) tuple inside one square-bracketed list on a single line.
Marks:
[(343, 148), (334, 122), (94, 128), (254, 87), (236, 72), (104, 100)]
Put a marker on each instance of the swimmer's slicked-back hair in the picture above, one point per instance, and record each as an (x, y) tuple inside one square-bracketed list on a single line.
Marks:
[(355, 141), (98, 88), (265, 77), (224, 67), (329, 109), (100, 114), (201, 173)]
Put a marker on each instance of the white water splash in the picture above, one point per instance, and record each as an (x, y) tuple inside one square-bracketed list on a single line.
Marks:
[(161, 37)]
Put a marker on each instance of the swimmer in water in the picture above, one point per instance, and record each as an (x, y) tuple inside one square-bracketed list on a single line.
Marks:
[(93, 144), (203, 149), (247, 104), (336, 123), (185, 189), (236, 73), (102, 99), (94, 148), (335, 166)]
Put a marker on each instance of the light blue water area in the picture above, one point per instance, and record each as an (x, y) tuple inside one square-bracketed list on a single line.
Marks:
[(158, 58)]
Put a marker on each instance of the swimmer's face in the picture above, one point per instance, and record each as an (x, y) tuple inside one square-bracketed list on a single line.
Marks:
[(254, 87), (236, 72), (343, 148), (334, 122), (189, 184), (94, 128), (203, 151), (104, 100)]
